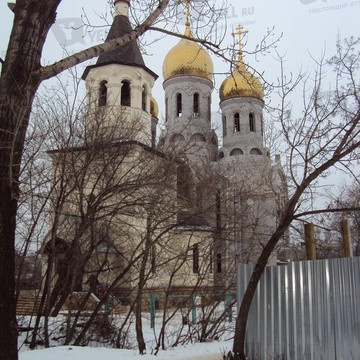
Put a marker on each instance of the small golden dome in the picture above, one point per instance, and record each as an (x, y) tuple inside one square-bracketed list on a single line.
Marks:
[(241, 83), (188, 58), (154, 108)]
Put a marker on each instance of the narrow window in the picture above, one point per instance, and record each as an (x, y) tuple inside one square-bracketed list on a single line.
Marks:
[(125, 93), (218, 263), (224, 124), (218, 209), (262, 125), (195, 251), (153, 138), (184, 182), (237, 122), (102, 93), (209, 108), (196, 104), (199, 195), (166, 109), (251, 122), (143, 99), (178, 105), (153, 259)]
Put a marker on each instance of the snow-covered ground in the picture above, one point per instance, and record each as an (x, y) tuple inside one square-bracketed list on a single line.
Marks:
[(200, 351), (100, 350)]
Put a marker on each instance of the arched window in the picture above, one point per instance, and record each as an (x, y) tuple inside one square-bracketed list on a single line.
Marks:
[(224, 124), (218, 263), (178, 104), (236, 152), (103, 93), (103, 238), (177, 138), (125, 93), (195, 255), (143, 98), (251, 122), (198, 137), (255, 151), (236, 122), (196, 104), (221, 155)]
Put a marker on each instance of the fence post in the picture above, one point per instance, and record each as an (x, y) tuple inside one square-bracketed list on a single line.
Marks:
[(228, 306), (310, 241), (152, 311), (193, 310), (346, 236)]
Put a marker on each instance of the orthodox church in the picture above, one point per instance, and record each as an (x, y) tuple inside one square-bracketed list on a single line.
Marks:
[(171, 211)]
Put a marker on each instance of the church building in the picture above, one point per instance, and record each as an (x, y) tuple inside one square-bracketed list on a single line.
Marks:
[(171, 212)]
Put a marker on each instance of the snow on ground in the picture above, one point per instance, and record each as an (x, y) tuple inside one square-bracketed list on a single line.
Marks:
[(211, 350), (200, 351)]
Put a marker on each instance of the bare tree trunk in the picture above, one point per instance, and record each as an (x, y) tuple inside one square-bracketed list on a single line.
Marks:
[(17, 90), (11, 138), (142, 280), (8, 330)]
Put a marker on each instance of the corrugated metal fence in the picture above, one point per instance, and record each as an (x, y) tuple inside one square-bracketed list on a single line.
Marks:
[(304, 310)]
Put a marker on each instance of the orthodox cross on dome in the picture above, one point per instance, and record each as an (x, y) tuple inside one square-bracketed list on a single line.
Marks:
[(188, 15), (187, 11), (240, 32)]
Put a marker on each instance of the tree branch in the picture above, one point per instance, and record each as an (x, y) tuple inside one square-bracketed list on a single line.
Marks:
[(87, 54), (323, 211)]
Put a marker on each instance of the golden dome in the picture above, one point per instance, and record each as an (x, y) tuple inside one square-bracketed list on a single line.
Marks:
[(188, 58), (241, 83), (154, 108)]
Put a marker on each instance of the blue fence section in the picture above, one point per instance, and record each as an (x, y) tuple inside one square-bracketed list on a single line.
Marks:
[(307, 310)]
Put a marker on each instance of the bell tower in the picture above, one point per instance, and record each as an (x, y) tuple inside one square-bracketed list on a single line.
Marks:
[(188, 84), (119, 88)]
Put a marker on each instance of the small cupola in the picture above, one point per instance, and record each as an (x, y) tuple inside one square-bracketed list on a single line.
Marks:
[(241, 82)]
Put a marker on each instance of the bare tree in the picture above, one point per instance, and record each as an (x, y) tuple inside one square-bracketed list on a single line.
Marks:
[(324, 137)]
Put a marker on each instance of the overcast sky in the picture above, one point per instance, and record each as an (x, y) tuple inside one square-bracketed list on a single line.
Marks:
[(308, 28)]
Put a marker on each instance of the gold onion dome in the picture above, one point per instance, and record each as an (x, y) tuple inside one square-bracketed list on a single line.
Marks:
[(241, 83), (188, 58), (154, 108)]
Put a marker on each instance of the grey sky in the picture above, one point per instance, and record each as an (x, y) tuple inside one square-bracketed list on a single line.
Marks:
[(309, 28)]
